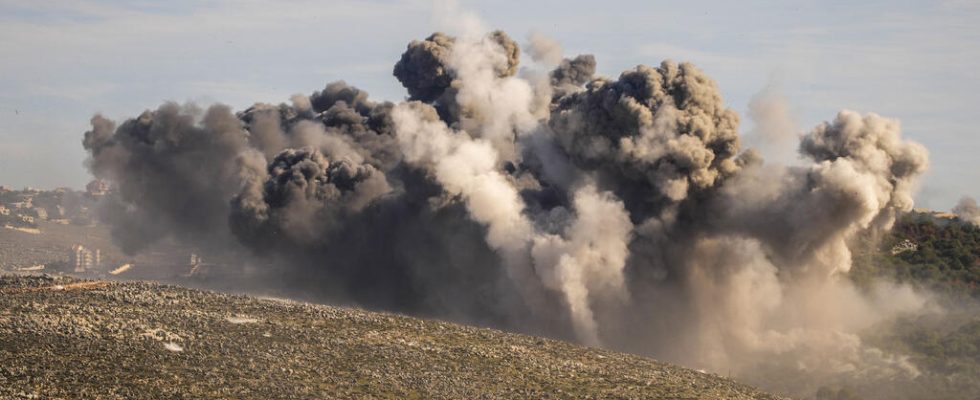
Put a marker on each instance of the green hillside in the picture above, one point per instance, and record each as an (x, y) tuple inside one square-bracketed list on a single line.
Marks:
[(940, 254)]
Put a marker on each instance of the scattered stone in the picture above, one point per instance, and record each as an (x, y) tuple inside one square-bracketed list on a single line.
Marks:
[(103, 340), (174, 347)]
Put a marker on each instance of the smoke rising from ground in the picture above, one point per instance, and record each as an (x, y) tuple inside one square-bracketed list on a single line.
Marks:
[(619, 212), (968, 210)]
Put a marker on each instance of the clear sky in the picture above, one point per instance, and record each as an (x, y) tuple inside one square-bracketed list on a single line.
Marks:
[(62, 61)]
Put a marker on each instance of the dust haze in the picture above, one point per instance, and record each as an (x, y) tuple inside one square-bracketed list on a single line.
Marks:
[(520, 190)]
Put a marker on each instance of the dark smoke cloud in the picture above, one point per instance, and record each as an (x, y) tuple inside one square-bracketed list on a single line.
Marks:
[(302, 195), (616, 212), (572, 74), (341, 92), (425, 72), (266, 123), (422, 68), (173, 170), (660, 132)]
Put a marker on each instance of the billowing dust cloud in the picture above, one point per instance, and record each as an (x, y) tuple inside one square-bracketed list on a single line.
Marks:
[(619, 212)]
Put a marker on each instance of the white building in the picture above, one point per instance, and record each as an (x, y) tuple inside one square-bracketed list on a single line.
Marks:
[(82, 259)]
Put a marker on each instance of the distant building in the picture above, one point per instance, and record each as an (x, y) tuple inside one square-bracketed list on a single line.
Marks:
[(4, 210), (83, 259), (27, 202), (195, 265), (198, 268), (97, 188), (905, 246)]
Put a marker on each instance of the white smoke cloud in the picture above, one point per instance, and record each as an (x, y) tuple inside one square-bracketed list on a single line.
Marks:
[(587, 261)]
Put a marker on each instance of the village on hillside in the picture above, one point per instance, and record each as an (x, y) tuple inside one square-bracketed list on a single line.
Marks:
[(57, 231)]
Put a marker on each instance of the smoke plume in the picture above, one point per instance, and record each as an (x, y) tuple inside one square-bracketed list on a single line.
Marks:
[(619, 212), (775, 131), (968, 210)]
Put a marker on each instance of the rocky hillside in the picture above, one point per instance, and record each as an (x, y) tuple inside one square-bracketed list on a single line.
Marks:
[(66, 338)]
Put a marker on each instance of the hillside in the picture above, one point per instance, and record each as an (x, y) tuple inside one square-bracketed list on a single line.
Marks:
[(67, 338), (940, 254), (936, 252)]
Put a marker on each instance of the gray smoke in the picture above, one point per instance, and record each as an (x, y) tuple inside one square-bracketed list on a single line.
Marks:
[(775, 131), (302, 191), (967, 210), (173, 169), (616, 212), (422, 68), (543, 49), (655, 135), (430, 69), (573, 73)]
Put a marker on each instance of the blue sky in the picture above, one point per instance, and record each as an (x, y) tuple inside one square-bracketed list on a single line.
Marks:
[(60, 62)]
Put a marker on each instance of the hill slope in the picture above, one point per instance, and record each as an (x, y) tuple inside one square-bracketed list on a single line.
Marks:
[(65, 338)]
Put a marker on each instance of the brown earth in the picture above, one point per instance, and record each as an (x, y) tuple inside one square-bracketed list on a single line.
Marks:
[(65, 338)]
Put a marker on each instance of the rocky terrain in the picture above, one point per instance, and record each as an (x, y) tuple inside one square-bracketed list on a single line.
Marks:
[(66, 338)]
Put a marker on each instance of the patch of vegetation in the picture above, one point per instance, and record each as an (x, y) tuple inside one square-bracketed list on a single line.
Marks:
[(946, 349), (941, 255)]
